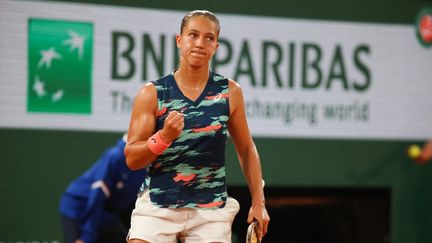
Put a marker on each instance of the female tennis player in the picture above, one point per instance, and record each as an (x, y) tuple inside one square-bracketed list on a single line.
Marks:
[(178, 129)]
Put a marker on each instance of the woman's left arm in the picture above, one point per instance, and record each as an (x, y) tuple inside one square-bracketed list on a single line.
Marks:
[(248, 157)]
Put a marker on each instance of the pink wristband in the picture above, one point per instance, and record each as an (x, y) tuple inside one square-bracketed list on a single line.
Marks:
[(156, 144)]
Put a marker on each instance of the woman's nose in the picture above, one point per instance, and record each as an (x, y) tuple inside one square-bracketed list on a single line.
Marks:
[(199, 42)]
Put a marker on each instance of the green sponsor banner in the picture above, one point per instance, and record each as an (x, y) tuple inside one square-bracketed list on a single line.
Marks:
[(59, 66)]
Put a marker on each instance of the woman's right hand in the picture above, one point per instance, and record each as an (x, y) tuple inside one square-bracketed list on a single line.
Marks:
[(173, 126)]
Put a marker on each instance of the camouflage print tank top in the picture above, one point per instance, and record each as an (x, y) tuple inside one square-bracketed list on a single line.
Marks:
[(191, 172)]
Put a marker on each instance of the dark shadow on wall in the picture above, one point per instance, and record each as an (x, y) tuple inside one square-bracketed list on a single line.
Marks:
[(320, 215)]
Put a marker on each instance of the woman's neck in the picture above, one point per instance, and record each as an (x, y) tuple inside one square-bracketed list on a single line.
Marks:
[(191, 77)]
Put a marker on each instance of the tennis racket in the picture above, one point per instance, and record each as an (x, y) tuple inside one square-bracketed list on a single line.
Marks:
[(251, 234)]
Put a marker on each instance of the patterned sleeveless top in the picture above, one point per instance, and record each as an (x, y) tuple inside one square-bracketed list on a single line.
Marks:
[(191, 172)]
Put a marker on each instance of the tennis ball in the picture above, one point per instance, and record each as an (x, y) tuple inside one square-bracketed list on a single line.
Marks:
[(414, 151)]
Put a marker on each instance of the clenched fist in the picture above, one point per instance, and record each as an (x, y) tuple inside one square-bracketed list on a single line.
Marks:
[(173, 126)]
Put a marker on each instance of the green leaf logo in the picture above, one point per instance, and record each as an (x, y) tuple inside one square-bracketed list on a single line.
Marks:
[(59, 66)]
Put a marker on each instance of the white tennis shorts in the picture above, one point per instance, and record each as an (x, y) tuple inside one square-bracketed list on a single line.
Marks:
[(164, 225)]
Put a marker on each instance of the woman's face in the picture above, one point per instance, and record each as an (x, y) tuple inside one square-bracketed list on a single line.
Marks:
[(198, 42)]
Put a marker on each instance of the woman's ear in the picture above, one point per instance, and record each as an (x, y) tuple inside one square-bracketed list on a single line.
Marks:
[(178, 40)]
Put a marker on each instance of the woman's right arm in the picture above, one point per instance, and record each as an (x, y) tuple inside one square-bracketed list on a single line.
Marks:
[(142, 125)]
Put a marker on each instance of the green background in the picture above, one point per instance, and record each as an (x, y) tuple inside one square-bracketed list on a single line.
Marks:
[(37, 165)]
